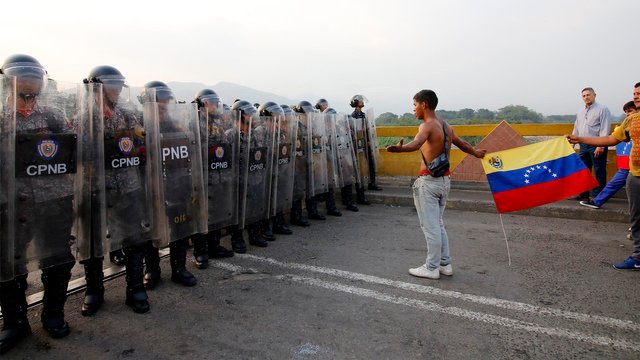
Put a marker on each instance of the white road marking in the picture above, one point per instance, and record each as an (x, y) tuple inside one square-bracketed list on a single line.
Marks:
[(423, 289)]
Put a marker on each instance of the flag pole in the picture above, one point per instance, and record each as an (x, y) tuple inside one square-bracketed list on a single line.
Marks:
[(505, 239)]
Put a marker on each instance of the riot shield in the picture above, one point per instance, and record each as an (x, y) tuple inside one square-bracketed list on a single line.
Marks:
[(319, 176), (118, 198), (255, 158), (333, 175), (221, 142), (301, 178), (40, 174), (372, 137), (175, 157), (346, 160), (284, 161), (359, 137)]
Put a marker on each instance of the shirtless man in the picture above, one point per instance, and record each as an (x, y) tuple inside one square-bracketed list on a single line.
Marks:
[(429, 192)]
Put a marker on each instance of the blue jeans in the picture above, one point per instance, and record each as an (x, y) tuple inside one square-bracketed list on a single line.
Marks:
[(599, 165), (430, 197), (616, 183)]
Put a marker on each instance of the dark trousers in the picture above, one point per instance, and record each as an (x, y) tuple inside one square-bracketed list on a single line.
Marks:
[(599, 165)]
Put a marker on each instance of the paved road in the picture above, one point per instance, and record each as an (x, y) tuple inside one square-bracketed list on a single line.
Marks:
[(340, 290)]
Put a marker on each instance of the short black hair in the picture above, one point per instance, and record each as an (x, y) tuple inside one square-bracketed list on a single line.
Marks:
[(427, 96), (637, 85), (629, 105), (588, 89)]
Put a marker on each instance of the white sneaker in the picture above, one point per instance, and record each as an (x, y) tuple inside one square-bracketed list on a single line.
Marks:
[(423, 272), (446, 270)]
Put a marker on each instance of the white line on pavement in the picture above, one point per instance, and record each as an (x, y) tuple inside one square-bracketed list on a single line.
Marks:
[(483, 300)]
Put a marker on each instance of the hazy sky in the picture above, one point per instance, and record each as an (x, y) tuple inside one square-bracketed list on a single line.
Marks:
[(476, 54)]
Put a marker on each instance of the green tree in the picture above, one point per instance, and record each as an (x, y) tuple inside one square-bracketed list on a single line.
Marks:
[(387, 118), (466, 113), (518, 113), (485, 114)]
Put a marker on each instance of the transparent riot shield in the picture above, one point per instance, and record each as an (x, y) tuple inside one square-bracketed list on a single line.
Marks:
[(175, 157), (221, 143), (301, 178), (118, 198), (359, 127), (284, 162), (333, 175), (40, 174), (255, 158), (346, 158), (372, 138), (319, 176)]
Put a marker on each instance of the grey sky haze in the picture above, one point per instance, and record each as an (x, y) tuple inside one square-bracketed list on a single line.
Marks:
[(476, 54)]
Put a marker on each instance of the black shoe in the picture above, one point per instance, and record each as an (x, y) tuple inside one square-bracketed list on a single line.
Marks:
[(58, 332), (220, 252), (202, 261), (92, 302), (353, 207), (316, 216), (239, 246), (151, 279), (268, 235), (117, 257), (374, 187), (334, 212), (184, 277), (258, 241), (11, 336), (282, 229), (300, 222), (138, 302)]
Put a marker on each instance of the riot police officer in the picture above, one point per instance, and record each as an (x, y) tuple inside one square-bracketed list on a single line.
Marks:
[(332, 164), (322, 105), (179, 180), (120, 211), (283, 170), (253, 201), (305, 111), (220, 160), (43, 214), (357, 102)]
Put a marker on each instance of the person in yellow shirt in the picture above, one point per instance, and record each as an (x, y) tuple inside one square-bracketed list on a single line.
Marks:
[(629, 130)]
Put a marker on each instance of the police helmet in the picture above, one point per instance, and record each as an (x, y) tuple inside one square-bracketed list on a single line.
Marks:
[(320, 103), (287, 110), (208, 96), (270, 109), (25, 67), (304, 107), (156, 91), (330, 111), (107, 75), (357, 98), (244, 107)]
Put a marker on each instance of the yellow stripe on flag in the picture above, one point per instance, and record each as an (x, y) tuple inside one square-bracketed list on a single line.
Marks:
[(528, 155)]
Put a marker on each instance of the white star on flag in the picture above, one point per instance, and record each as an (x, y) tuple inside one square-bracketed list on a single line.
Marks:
[(526, 181), (555, 175)]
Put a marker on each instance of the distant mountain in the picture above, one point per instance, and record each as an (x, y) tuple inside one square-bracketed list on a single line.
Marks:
[(185, 91)]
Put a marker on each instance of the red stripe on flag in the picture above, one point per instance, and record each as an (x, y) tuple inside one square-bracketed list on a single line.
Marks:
[(535, 195)]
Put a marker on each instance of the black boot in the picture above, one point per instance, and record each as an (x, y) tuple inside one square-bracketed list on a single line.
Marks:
[(347, 198), (360, 197), (217, 251), (152, 271), (178, 256), (137, 298), (55, 281), (267, 234), (280, 226), (200, 250), (330, 200), (312, 209), (255, 236), (296, 214), (117, 257), (14, 311), (94, 294), (237, 241)]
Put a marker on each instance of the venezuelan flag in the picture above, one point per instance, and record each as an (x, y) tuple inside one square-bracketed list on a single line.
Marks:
[(536, 174)]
